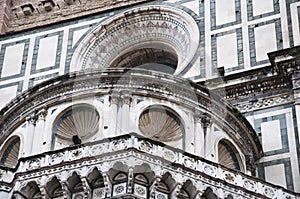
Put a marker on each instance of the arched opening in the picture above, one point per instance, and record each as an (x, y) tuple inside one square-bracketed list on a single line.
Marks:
[(229, 197), (10, 152), (161, 124), (76, 125), (141, 185), (120, 184), (143, 176), (228, 155)]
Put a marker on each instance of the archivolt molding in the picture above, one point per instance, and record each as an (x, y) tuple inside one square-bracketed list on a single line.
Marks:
[(156, 26)]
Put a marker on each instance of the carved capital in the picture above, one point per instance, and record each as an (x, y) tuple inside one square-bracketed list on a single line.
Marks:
[(114, 98), (42, 114), (126, 98), (206, 120), (32, 118), (197, 116)]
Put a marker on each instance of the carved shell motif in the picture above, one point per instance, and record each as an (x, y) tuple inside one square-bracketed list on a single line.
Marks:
[(160, 124), (227, 156), (80, 121)]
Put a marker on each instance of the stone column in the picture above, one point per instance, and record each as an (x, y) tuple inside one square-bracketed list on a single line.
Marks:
[(292, 139), (126, 101), (86, 187), (39, 131), (153, 187), (29, 136), (66, 191), (44, 192), (114, 103), (107, 184), (198, 136), (130, 180), (206, 126), (176, 190), (42, 183)]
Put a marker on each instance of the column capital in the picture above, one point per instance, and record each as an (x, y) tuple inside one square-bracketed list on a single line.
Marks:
[(32, 118), (197, 116), (114, 98), (126, 98), (42, 114), (206, 120)]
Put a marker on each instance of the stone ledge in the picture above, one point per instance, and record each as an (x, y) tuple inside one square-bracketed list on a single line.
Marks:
[(126, 147)]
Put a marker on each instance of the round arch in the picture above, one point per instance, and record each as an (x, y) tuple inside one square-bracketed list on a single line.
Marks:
[(165, 30)]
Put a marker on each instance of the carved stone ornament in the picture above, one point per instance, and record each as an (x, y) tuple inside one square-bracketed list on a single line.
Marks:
[(56, 158), (269, 192), (145, 146), (34, 164)]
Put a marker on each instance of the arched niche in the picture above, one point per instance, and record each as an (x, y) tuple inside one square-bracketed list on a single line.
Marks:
[(75, 125), (165, 186), (10, 152), (31, 191), (161, 123), (228, 155)]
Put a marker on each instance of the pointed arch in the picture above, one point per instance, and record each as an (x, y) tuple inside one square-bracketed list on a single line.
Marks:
[(74, 183), (165, 186), (145, 170), (95, 179)]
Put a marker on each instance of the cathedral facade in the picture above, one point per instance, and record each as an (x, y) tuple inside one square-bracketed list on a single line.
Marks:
[(149, 99)]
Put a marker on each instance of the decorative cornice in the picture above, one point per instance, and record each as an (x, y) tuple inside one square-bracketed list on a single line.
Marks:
[(258, 86), (261, 103)]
